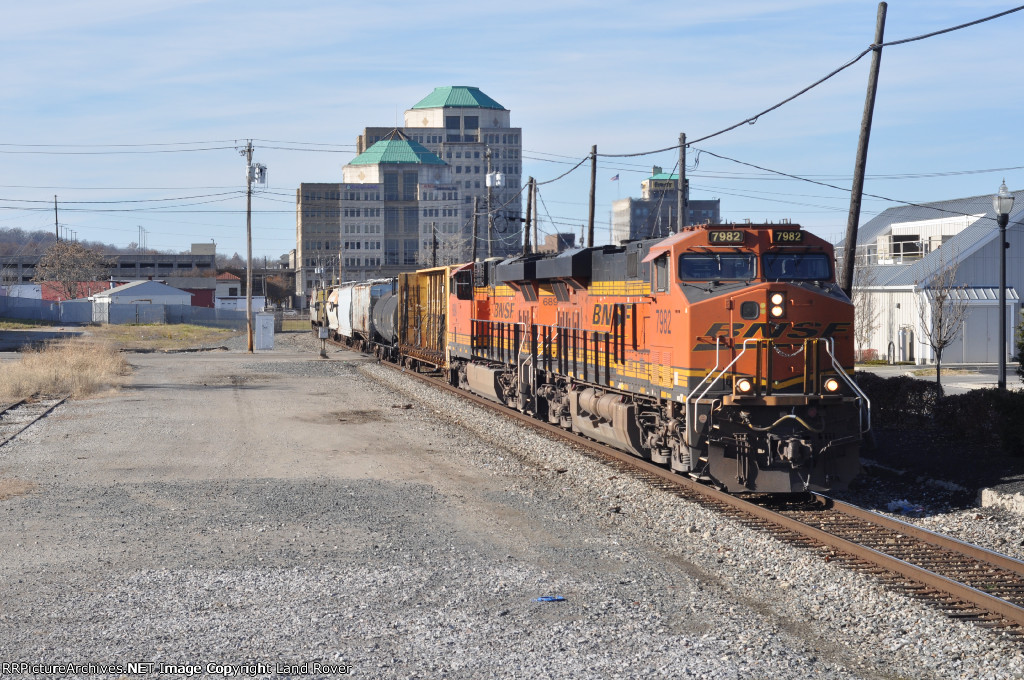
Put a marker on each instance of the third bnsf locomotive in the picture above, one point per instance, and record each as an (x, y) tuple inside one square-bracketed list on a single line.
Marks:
[(724, 351)]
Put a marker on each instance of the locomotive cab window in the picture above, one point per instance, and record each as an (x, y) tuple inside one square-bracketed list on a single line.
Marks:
[(463, 285), (797, 267), (661, 273), (717, 266)]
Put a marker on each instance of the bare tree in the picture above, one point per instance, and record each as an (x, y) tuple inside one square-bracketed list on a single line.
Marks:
[(942, 311), (69, 264), (866, 307)]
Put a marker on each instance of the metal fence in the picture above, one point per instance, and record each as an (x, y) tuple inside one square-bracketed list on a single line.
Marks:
[(83, 311)]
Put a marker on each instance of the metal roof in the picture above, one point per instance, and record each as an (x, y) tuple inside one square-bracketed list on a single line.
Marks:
[(961, 246), (982, 293), (142, 288), (397, 148), (457, 96)]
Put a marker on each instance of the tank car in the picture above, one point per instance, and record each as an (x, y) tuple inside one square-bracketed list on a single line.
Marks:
[(348, 311), (365, 296), (724, 351)]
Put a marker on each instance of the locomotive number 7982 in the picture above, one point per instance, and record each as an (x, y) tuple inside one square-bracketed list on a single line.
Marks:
[(664, 318)]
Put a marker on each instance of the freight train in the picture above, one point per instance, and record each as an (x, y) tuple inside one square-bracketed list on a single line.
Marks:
[(724, 351)]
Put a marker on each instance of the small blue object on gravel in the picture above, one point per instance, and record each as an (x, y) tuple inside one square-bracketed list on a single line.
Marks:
[(551, 598)]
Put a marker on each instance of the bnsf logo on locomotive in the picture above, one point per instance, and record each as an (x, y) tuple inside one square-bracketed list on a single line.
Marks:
[(503, 310), (611, 315), (799, 330)]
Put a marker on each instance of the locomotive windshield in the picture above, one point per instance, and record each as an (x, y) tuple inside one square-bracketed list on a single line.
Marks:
[(717, 266), (797, 267)]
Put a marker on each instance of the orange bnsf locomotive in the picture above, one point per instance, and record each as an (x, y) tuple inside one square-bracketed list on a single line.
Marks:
[(724, 351)]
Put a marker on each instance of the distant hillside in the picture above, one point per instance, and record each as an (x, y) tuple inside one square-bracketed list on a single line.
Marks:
[(20, 242)]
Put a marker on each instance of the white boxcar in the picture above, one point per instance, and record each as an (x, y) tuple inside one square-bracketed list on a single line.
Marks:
[(339, 310)]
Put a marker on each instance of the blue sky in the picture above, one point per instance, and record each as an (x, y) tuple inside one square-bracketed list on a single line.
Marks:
[(129, 112)]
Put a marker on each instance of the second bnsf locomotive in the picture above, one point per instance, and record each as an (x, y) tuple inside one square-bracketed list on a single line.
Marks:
[(724, 351)]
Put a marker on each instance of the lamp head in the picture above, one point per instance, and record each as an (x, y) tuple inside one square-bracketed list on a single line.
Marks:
[(1002, 202)]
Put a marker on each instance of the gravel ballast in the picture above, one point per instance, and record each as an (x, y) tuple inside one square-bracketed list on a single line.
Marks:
[(281, 509)]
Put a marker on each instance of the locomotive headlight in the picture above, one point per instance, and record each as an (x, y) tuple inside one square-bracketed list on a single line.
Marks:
[(777, 311), (777, 298), (831, 385), (777, 305), (744, 386)]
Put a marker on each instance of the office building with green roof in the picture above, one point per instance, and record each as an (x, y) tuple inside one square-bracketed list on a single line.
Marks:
[(407, 185), (460, 124), (399, 211)]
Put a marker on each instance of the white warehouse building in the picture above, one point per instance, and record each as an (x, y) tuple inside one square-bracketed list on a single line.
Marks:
[(901, 252)]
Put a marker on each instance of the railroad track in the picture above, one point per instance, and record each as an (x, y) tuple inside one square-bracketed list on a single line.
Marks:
[(17, 417), (964, 581)]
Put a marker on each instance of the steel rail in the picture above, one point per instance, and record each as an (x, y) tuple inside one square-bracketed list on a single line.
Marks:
[(35, 417), (925, 536)]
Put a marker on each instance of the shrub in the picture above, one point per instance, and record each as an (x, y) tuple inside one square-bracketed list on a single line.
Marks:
[(988, 417), (899, 402), (866, 355)]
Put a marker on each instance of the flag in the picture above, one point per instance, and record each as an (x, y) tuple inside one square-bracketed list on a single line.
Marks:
[(615, 179)]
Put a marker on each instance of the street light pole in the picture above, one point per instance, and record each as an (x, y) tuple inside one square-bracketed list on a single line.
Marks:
[(1002, 203)]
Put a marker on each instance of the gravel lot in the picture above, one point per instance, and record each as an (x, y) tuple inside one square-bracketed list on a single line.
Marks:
[(278, 508)]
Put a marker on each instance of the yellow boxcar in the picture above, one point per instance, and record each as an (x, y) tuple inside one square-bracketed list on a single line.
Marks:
[(423, 316)]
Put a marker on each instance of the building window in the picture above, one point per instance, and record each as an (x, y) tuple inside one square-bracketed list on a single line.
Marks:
[(452, 123), (411, 221), (390, 220), (390, 186), (409, 251), (409, 182)]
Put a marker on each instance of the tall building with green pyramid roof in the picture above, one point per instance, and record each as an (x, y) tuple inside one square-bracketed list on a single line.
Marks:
[(406, 200), (399, 210), (460, 124)]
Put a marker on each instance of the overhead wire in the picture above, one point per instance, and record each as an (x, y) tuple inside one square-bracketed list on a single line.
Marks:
[(753, 119), (838, 188)]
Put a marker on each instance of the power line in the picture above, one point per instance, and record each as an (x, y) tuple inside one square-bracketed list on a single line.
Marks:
[(753, 119), (113, 153), (832, 186)]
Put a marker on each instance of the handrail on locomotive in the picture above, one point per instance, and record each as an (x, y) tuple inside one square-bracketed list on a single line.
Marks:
[(810, 345)]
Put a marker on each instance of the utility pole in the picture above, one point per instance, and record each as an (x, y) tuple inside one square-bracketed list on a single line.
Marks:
[(433, 250), (248, 243), (476, 214), (850, 249), (529, 216), (257, 173), (56, 229), (536, 213), (681, 188), (490, 216), (593, 189)]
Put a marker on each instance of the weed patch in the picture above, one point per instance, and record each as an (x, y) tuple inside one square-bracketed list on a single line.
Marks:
[(75, 368)]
